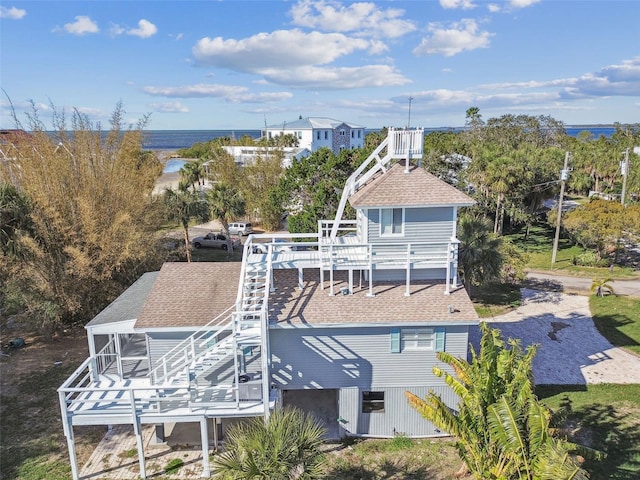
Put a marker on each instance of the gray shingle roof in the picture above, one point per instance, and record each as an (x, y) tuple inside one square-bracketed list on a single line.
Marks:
[(128, 304), (395, 188), (190, 294), (289, 305), (313, 122)]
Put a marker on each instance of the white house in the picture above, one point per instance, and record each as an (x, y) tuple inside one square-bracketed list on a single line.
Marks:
[(245, 155), (317, 132), (339, 322)]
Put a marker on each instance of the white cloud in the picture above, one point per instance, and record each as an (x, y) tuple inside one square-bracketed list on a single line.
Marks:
[(194, 91), (459, 37), (280, 49), (145, 29), (90, 111), (115, 30), (510, 5), (263, 97), (294, 58), (81, 26), (612, 80), (522, 3), (169, 107), (463, 4), (12, 13), (325, 78), (177, 36), (365, 18), (230, 93)]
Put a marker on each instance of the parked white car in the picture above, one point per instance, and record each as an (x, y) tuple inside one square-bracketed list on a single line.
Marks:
[(240, 228), (215, 240)]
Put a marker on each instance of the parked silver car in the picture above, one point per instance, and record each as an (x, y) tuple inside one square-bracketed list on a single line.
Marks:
[(215, 240), (240, 228)]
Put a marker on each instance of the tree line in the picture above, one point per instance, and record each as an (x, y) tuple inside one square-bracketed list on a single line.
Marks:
[(80, 222)]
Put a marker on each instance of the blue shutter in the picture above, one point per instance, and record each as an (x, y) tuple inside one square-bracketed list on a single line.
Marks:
[(395, 340), (440, 334)]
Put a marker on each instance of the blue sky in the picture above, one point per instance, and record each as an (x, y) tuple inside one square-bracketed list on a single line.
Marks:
[(236, 64)]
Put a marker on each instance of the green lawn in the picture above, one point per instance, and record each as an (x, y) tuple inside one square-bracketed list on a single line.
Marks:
[(605, 417), (539, 246), (618, 319), (495, 299)]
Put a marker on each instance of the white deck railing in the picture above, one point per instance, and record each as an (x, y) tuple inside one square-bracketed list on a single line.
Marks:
[(107, 356), (180, 357)]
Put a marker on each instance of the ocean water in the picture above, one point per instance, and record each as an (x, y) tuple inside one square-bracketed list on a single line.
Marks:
[(173, 165), (175, 139)]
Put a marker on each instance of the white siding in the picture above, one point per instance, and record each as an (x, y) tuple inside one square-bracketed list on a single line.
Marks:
[(353, 357), (421, 225), (398, 417)]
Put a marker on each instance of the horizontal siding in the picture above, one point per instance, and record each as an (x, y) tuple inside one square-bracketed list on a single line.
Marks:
[(160, 343), (353, 357), (421, 225), (398, 417)]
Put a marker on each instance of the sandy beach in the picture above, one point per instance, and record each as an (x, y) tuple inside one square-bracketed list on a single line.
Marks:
[(168, 180)]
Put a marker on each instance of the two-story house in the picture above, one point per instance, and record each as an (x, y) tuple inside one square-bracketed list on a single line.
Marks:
[(339, 322), (314, 133)]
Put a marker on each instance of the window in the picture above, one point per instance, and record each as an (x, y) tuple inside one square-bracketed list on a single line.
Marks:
[(372, 402), (416, 339), (359, 133), (353, 134), (299, 135), (391, 221), (318, 135), (326, 134), (343, 133)]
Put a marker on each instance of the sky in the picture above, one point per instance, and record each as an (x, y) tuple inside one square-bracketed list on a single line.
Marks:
[(210, 64)]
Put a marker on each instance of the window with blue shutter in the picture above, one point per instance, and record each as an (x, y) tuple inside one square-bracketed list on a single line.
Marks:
[(395, 340), (440, 336)]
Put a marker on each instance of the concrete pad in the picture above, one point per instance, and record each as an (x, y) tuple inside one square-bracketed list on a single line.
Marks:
[(571, 351)]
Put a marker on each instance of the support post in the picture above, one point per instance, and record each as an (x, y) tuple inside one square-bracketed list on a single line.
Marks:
[(564, 175), (407, 291), (137, 429), (67, 427), (204, 438)]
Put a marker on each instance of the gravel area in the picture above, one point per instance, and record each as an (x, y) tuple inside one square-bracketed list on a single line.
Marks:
[(571, 350)]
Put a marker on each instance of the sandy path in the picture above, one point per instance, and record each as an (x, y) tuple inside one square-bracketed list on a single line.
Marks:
[(571, 350)]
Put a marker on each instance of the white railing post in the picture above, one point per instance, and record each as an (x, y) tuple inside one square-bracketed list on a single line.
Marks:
[(408, 267)]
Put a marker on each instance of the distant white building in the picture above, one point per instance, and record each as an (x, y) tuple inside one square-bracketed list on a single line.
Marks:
[(318, 132), (247, 155)]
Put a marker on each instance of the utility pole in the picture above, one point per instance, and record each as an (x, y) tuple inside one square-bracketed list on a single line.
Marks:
[(409, 122), (624, 168), (564, 175)]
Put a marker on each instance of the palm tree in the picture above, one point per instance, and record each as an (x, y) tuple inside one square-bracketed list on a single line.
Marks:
[(601, 287), (285, 447), (479, 253), (183, 206), (226, 205), (501, 429), (192, 174)]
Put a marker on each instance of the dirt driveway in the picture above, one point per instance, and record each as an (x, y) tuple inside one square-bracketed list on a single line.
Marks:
[(571, 350)]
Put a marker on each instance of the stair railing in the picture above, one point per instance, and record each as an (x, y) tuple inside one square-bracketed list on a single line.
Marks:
[(182, 355)]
